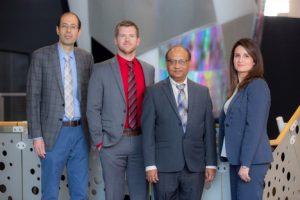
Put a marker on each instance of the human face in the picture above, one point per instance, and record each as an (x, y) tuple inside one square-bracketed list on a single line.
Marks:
[(127, 41), (242, 61), (178, 64), (68, 31)]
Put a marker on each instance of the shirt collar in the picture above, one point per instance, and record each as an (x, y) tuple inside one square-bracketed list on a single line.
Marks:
[(173, 82), (124, 61), (63, 54)]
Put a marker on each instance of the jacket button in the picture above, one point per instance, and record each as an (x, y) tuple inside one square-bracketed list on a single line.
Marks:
[(226, 125), (124, 111), (63, 105), (122, 125)]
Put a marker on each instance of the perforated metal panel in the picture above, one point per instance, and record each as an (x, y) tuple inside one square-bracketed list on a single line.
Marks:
[(96, 184), (10, 162), (20, 172), (31, 170), (282, 181)]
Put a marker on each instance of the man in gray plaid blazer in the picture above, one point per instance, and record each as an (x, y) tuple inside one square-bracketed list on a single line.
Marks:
[(60, 139)]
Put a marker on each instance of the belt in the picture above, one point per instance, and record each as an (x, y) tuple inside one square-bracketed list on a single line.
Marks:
[(71, 123), (132, 132)]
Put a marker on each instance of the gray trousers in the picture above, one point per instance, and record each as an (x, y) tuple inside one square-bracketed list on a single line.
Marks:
[(124, 161)]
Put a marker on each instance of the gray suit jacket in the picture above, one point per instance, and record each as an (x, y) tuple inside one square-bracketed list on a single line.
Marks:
[(164, 142), (106, 107), (45, 93)]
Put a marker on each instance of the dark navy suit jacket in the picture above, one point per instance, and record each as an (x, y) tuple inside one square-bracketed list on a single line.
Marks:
[(245, 126), (165, 145)]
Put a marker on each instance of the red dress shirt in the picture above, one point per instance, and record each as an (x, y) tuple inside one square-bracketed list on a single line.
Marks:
[(140, 85)]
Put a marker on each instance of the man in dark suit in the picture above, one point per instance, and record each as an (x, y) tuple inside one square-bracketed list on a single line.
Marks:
[(178, 132), (56, 106), (115, 96)]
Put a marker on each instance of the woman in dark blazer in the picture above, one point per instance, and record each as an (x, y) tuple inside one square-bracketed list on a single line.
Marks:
[(243, 139)]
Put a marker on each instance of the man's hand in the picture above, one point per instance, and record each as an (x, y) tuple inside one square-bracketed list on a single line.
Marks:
[(99, 146), (152, 176), (244, 173), (39, 147), (210, 174)]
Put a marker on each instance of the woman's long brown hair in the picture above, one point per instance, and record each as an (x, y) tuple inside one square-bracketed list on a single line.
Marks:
[(256, 72)]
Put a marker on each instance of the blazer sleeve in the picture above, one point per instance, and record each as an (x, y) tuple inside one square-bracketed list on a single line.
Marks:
[(221, 135), (258, 104), (94, 106), (33, 97), (148, 129), (210, 135)]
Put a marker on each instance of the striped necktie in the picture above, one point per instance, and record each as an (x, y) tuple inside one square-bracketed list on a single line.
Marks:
[(182, 105), (132, 104), (68, 89)]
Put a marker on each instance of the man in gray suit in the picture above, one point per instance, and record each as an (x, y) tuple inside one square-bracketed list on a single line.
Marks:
[(178, 132), (115, 96), (56, 106)]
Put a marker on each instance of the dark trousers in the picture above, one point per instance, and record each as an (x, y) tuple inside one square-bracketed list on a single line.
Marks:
[(183, 185), (252, 190), (70, 150)]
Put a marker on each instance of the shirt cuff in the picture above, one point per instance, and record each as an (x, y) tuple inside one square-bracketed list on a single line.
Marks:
[(152, 167), (211, 167), (37, 138), (99, 145)]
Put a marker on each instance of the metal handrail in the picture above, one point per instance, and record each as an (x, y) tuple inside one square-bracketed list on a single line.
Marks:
[(286, 128), (273, 142), (16, 94), (13, 123)]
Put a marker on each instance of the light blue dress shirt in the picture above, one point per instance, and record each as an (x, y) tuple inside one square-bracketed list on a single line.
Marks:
[(62, 61)]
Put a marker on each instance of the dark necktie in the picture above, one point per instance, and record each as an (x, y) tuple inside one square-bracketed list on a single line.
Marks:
[(182, 105), (132, 105)]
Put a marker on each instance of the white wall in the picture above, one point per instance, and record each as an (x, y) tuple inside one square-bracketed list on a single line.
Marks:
[(158, 20), (152, 57), (80, 7), (231, 9)]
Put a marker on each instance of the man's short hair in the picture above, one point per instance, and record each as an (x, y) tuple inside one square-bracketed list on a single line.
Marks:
[(126, 23), (186, 49), (66, 13)]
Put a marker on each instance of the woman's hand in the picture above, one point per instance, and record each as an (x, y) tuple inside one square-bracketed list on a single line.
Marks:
[(244, 173)]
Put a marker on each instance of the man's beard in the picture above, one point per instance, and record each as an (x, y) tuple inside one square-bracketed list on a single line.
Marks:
[(125, 51)]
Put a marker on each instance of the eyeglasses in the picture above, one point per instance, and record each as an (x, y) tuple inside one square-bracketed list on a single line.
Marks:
[(180, 62), (73, 27)]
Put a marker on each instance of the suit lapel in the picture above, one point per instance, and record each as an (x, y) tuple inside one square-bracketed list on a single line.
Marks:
[(54, 56), (191, 100), (237, 95), (79, 71), (167, 88), (117, 75)]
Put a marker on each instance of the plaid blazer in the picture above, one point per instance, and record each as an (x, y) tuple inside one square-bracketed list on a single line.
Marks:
[(45, 93)]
